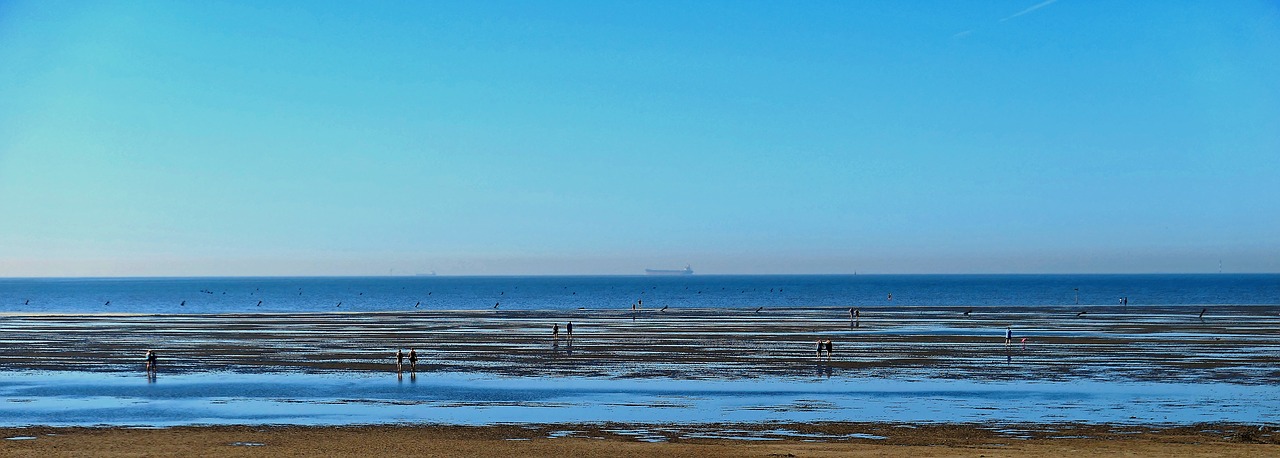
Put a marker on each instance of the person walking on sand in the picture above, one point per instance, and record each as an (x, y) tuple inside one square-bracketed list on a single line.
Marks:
[(555, 332), (830, 349), (413, 360), (399, 360), (1008, 336), (569, 331)]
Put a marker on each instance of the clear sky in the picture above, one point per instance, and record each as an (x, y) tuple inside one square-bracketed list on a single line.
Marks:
[(516, 137)]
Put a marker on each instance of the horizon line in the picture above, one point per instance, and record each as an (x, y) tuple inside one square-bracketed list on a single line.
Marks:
[(141, 277)]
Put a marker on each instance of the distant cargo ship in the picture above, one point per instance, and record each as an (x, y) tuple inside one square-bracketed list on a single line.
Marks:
[(685, 271)]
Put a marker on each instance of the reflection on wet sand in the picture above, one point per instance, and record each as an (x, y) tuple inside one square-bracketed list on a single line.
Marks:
[(1236, 344)]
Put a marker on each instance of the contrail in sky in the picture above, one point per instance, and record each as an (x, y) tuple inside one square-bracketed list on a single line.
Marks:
[(1032, 8)]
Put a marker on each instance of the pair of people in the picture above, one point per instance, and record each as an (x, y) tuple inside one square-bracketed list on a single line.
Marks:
[(555, 331), (824, 345), (151, 361), (413, 360)]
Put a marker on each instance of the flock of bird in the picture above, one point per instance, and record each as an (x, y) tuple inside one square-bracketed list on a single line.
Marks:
[(634, 307)]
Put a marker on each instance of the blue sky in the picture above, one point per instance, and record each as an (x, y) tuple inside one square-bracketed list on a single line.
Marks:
[(479, 138)]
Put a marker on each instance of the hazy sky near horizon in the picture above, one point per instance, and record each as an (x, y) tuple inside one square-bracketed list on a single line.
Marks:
[(476, 137)]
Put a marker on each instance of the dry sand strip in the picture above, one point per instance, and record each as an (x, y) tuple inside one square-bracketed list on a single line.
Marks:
[(1236, 344), (914, 441)]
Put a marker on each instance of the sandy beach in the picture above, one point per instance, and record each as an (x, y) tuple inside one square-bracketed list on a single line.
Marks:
[(761, 357), (599, 440)]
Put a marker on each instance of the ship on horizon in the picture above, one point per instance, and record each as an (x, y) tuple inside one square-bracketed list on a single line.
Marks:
[(687, 270)]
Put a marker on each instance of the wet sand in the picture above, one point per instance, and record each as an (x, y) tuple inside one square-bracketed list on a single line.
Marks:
[(1231, 344), (826, 439), (1235, 345)]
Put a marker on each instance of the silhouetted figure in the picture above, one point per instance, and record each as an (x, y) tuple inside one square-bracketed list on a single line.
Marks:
[(399, 360), (830, 349), (151, 361), (413, 360), (569, 330), (555, 331)]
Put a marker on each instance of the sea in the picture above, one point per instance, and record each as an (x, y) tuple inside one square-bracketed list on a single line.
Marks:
[(34, 395), (373, 294)]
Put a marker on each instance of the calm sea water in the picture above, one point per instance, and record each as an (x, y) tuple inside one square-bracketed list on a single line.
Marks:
[(321, 294)]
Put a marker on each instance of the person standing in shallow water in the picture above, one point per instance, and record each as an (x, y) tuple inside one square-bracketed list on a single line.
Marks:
[(151, 361), (413, 360), (1008, 336), (399, 360), (555, 332), (569, 331)]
